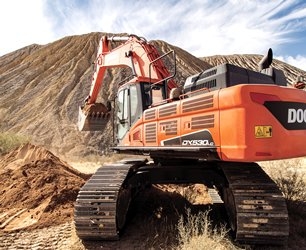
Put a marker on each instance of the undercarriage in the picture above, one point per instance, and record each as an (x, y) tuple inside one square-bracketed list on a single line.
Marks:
[(256, 209)]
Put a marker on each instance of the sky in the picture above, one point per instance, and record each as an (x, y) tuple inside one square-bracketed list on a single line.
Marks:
[(201, 27)]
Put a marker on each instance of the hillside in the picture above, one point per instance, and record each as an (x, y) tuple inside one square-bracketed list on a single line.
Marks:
[(42, 87)]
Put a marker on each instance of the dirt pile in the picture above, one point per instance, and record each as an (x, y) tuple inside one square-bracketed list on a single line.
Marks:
[(196, 194), (37, 189)]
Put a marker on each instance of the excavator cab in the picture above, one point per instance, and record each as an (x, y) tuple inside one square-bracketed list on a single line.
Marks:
[(132, 100)]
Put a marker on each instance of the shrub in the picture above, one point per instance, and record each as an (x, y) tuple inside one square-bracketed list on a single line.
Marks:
[(196, 232), (292, 185), (289, 175), (10, 141)]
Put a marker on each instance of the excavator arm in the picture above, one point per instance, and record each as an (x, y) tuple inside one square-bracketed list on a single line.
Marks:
[(141, 57)]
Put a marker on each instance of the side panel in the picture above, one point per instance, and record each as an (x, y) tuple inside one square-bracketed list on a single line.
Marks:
[(200, 120), (262, 122), (168, 124), (190, 124), (247, 122)]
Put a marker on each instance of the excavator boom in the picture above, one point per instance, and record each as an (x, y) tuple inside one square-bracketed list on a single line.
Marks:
[(141, 57)]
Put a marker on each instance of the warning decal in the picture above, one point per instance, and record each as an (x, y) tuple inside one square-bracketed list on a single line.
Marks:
[(263, 131)]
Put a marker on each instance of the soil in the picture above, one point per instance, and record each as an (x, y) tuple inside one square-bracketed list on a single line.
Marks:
[(37, 189), (37, 194)]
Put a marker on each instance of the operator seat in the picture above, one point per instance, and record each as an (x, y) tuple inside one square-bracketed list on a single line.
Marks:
[(175, 94)]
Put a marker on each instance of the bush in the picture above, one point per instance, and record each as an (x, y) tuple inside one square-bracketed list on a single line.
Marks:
[(196, 232), (10, 141), (289, 175), (292, 185)]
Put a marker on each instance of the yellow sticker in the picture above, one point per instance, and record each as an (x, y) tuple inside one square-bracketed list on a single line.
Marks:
[(263, 131)]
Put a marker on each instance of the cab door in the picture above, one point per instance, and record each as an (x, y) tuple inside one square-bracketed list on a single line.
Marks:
[(123, 123), (129, 110)]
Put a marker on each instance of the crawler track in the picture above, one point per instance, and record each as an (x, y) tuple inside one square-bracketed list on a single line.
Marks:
[(99, 213), (256, 207)]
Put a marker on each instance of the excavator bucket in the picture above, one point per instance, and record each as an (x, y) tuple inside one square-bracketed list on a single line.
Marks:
[(93, 117)]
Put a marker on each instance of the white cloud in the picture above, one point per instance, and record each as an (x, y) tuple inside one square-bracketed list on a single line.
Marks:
[(298, 61), (23, 23), (202, 27), (235, 27)]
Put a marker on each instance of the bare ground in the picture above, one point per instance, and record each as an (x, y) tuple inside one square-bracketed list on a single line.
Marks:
[(37, 194)]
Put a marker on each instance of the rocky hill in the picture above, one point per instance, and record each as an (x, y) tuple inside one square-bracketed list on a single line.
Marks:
[(41, 88)]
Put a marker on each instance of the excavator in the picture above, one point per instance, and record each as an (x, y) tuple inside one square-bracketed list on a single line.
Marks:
[(212, 130)]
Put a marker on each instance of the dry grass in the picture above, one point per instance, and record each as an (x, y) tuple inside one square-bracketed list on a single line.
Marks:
[(10, 141), (196, 232), (290, 176)]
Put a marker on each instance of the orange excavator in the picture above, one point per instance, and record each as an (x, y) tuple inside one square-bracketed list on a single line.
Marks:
[(212, 130)]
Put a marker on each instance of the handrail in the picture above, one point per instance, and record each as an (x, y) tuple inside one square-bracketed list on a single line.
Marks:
[(157, 59)]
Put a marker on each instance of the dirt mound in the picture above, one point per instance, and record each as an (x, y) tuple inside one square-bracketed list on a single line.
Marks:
[(37, 189)]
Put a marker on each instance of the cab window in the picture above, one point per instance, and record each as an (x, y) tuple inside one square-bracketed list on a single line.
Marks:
[(157, 94), (135, 105), (122, 112)]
